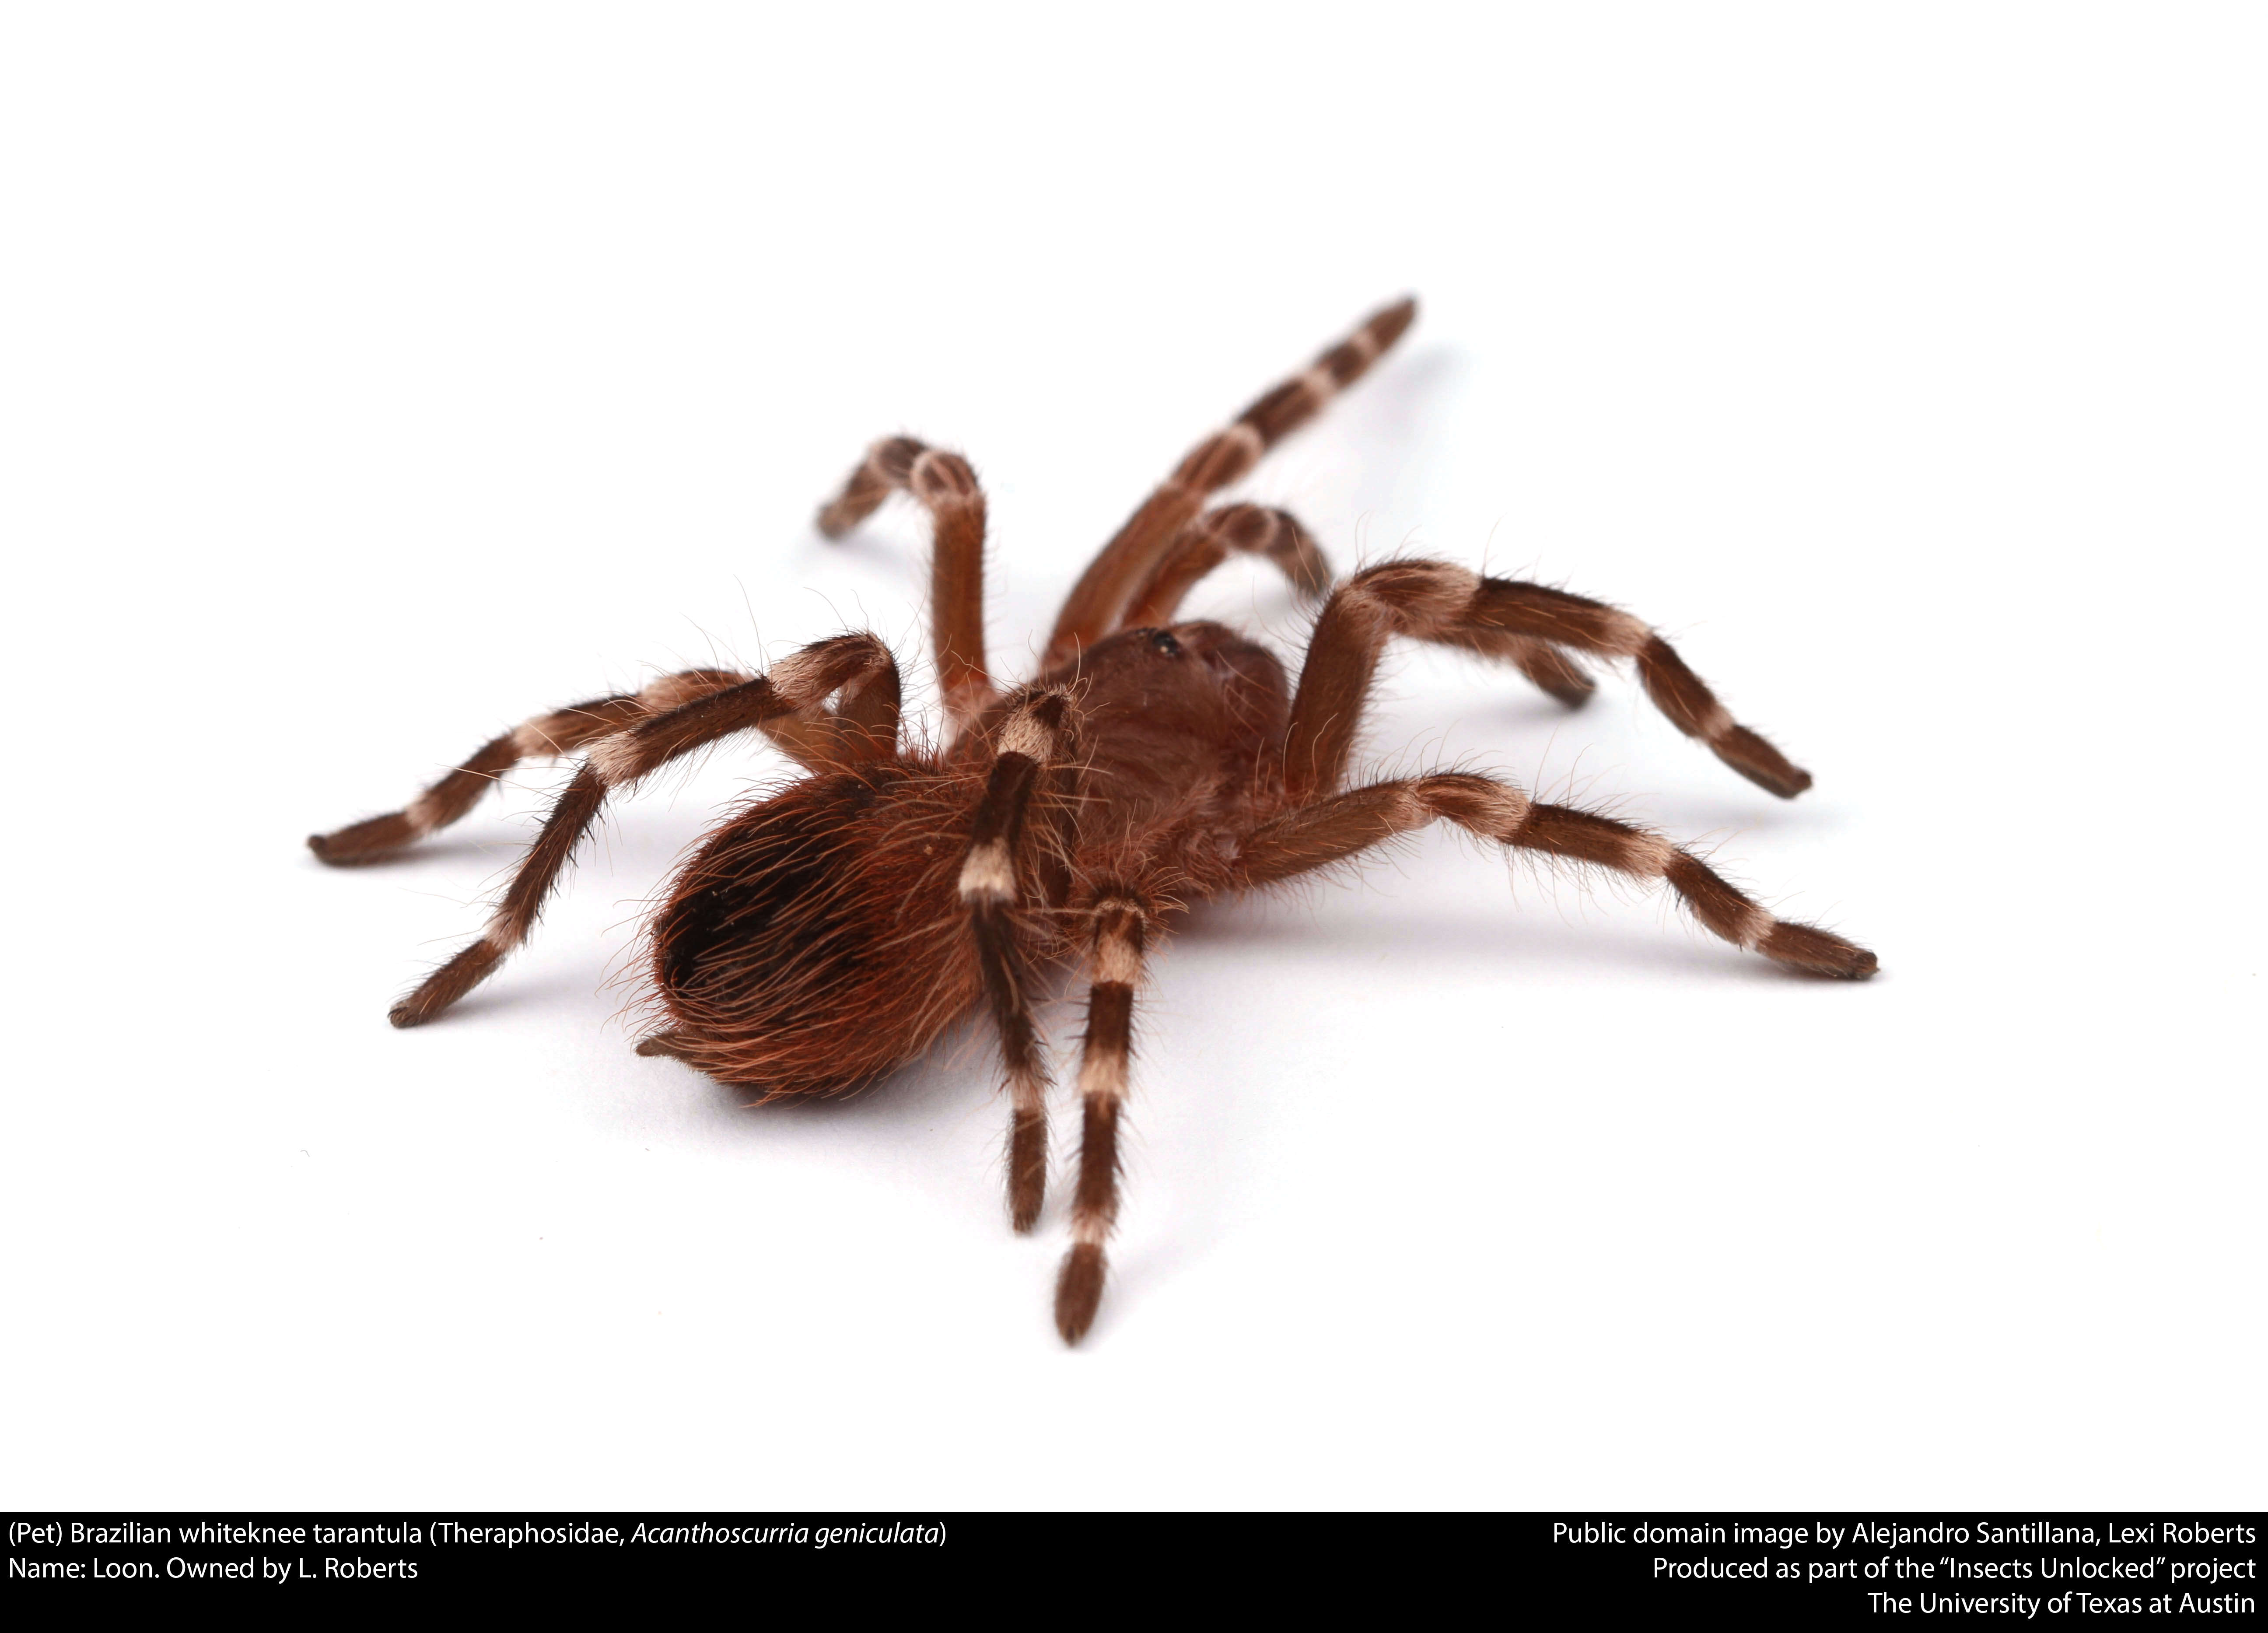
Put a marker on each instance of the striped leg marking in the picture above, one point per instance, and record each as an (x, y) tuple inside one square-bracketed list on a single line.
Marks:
[(1526, 623), (1034, 739), (1335, 829), (1118, 934), (1131, 556), (1208, 540), (560, 732), (850, 664)]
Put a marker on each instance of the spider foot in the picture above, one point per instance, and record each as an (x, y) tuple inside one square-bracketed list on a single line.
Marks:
[(452, 981), (364, 841), (1079, 1291), (1821, 953), (1760, 763)]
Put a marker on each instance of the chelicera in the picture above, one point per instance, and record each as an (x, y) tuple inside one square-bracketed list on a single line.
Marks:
[(831, 931)]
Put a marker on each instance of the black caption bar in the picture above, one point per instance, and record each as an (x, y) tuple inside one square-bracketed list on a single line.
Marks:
[(1894, 1568), (304, 1553), (1816, 1569)]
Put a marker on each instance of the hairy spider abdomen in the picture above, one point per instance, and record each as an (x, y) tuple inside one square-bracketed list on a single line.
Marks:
[(803, 949)]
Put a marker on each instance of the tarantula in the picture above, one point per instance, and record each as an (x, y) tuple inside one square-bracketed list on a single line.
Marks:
[(832, 931)]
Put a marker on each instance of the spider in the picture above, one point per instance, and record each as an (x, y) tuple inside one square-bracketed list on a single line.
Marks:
[(831, 931)]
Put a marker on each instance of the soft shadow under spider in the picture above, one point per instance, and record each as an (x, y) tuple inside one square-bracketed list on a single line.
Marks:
[(1456, 939)]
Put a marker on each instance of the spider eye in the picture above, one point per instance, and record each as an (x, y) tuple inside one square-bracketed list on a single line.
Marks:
[(1164, 641)]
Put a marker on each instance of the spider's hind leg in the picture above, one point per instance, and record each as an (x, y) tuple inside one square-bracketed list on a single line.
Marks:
[(561, 731), (858, 667), (863, 726)]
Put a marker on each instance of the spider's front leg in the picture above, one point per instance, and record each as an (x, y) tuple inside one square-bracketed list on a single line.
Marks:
[(1437, 602), (1276, 535), (1134, 551), (1279, 536), (858, 667), (1009, 854)]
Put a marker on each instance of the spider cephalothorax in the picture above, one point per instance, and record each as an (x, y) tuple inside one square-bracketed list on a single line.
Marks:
[(831, 932)]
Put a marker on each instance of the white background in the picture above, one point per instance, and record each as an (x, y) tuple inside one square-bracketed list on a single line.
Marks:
[(375, 377)]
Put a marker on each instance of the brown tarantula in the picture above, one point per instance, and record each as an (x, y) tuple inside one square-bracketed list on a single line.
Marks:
[(831, 932)]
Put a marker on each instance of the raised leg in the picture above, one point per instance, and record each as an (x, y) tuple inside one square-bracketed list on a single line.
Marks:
[(858, 666), (1208, 541), (948, 489), (1131, 556), (1496, 617), (1278, 535), (1005, 862), (1119, 922), (1333, 829)]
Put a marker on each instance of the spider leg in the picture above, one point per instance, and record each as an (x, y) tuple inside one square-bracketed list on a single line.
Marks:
[(1132, 554), (1334, 828), (1035, 741), (1278, 535), (948, 489), (1553, 671), (1207, 542), (865, 726), (560, 732), (1118, 924), (1495, 617), (854, 665)]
